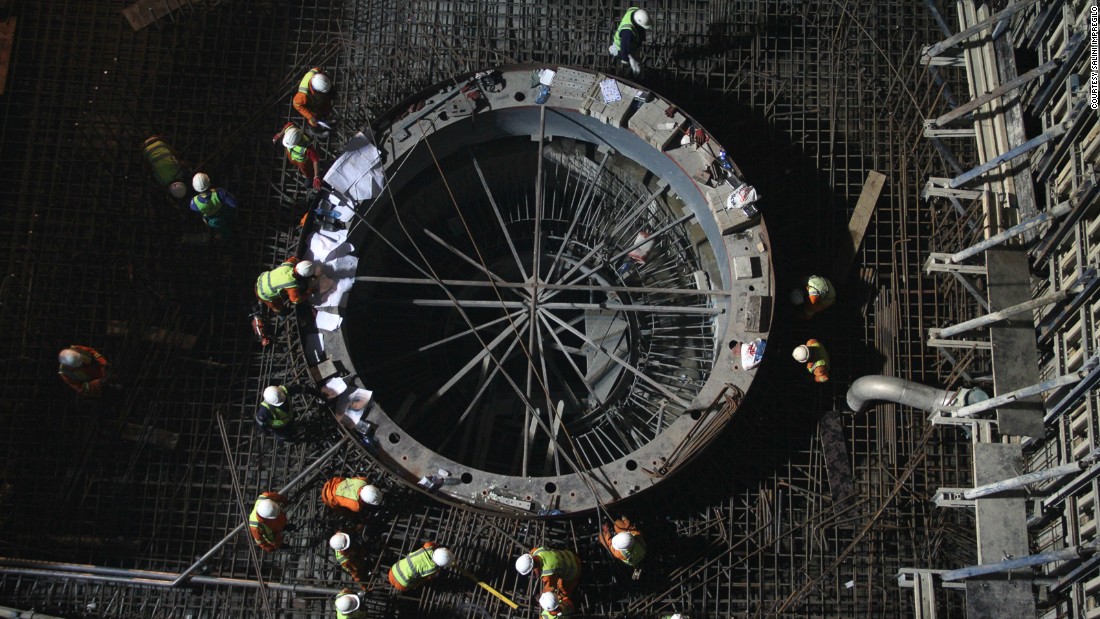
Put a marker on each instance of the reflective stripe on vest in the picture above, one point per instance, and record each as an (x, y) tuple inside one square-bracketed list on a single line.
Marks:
[(279, 416), (344, 493), (209, 203), (303, 86), (415, 567), (633, 556), (255, 522), (626, 23), (271, 283), (163, 161), (298, 153), (560, 563), (821, 358)]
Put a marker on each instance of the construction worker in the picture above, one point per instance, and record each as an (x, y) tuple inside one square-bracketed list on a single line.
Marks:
[(813, 295), (675, 616), (348, 554), (313, 99), (217, 206), (629, 37), (352, 494), (289, 279), (267, 521), (626, 544), (560, 570), (419, 567), (349, 605), (813, 354), (300, 152), (555, 605), (85, 370), (275, 414), (166, 166)]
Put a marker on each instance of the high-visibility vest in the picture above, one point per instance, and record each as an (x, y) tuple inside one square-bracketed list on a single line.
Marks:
[(633, 556), (271, 283), (561, 563), (303, 86), (626, 23), (256, 522), (165, 164), (343, 493), (209, 203), (415, 568), (818, 356), (299, 152), (282, 414)]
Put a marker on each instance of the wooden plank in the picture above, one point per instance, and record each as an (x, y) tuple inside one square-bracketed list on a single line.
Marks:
[(144, 12), (7, 39), (857, 227)]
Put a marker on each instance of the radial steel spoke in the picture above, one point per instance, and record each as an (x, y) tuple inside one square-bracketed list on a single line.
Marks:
[(543, 285), (455, 336), (474, 361), (618, 307), (500, 218), (577, 213), (480, 390), (572, 364), (463, 256), (626, 365)]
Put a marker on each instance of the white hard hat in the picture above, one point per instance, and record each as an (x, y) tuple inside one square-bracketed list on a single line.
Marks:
[(548, 600), (266, 508), (274, 396), (177, 190), (292, 136), (305, 268), (201, 182), (442, 557), (676, 616), (797, 297), (622, 541), (641, 17), (370, 495), (70, 358), (320, 82), (347, 603), (801, 354), (339, 541), (524, 564)]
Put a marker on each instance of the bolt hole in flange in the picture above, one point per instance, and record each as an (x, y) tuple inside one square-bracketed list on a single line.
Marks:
[(509, 295)]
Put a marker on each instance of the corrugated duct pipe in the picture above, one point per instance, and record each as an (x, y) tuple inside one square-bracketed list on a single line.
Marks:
[(867, 389)]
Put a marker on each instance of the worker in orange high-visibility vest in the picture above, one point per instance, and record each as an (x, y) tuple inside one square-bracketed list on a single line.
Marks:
[(84, 370), (625, 544), (267, 521), (314, 97), (814, 355), (301, 153), (424, 564), (350, 494)]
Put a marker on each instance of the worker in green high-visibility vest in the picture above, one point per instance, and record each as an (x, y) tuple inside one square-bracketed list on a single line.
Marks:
[(629, 37), (419, 567), (166, 166)]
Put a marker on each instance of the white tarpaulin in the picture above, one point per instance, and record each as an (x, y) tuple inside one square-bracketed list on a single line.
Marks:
[(357, 174)]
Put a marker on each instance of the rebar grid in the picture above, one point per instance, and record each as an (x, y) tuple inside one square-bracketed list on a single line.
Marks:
[(807, 97)]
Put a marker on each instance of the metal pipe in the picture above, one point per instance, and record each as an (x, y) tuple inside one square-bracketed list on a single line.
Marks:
[(1012, 396), (890, 389), (309, 470), (1059, 210), (92, 573), (15, 613), (1000, 315), (1013, 483), (1064, 554)]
